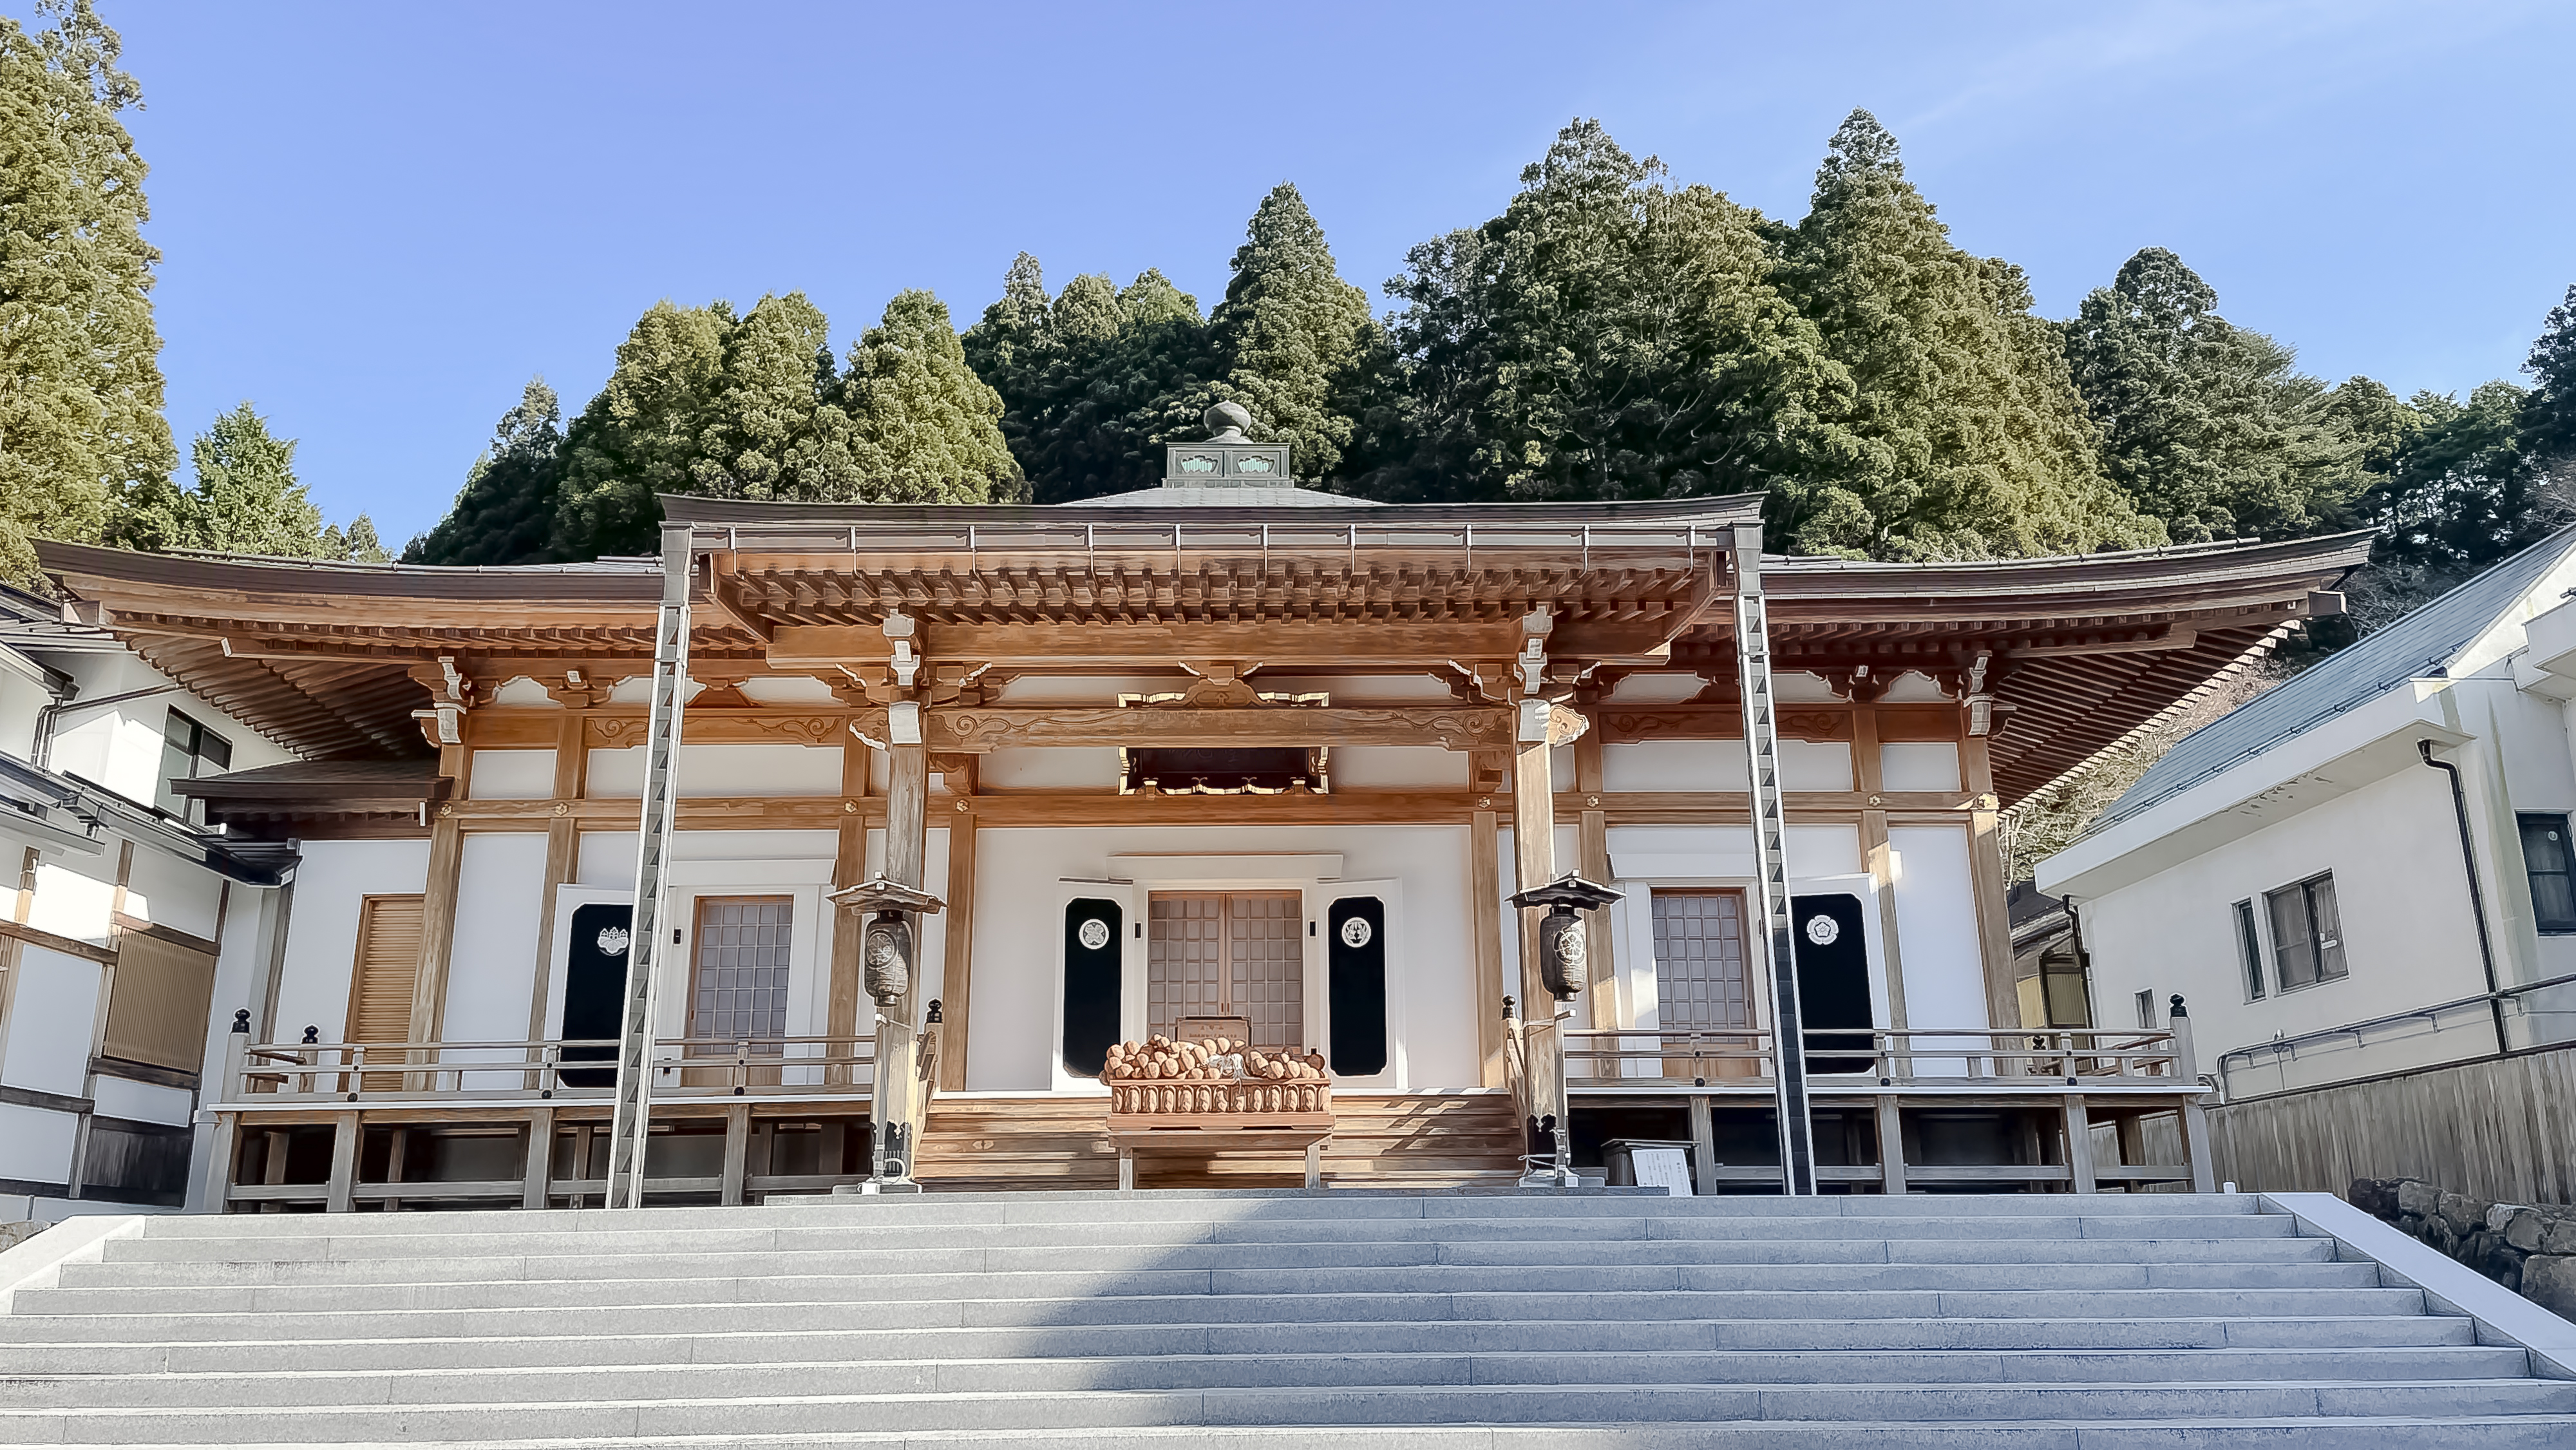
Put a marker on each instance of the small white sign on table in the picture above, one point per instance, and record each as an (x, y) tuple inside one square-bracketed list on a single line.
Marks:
[(1664, 1168)]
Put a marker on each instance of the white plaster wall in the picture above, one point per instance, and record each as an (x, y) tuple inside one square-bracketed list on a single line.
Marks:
[(1815, 765), (607, 858), (1674, 765), (1019, 924), (1656, 689), (21, 700), (2409, 940), (170, 892), (1919, 765), (241, 970), (491, 969), (119, 746), (36, 1145), (524, 693), (1397, 767), (724, 770), (322, 932), (1038, 768), (1936, 927), (1698, 765), (789, 690), (76, 895), (512, 775), (142, 1102), (52, 1021)]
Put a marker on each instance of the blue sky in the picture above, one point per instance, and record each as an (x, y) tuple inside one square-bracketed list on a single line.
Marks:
[(378, 220)]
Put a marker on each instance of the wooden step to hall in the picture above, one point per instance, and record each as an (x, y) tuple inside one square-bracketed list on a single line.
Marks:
[(1409, 1140)]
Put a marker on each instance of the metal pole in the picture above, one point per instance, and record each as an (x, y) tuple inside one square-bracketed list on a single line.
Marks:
[(633, 1117), (1771, 869)]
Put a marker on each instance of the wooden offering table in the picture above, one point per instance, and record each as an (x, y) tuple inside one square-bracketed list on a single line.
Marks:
[(1197, 1100), (1199, 1138)]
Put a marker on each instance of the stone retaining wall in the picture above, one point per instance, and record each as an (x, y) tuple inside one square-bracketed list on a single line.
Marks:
[(2530, 1249)]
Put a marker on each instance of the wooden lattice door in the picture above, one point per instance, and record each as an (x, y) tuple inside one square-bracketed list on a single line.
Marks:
[(1211, 956), (1702, 981)]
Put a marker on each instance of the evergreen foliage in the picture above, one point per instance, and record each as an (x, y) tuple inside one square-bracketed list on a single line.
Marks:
[(2463, 492), (1291, 334), (1972, 441), (80, 378), (2549, 414), (505, 514), (922, 427), (246, 500), (1606, 337), (640, 436), (2205, 425), (1094, 381)]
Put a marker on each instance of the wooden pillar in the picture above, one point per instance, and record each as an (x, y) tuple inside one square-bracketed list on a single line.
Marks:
[(1592, 834), (1534, 864), (1703, 1134), (737, 1152), (890, 1102), (957, 973), (541, 1159), (2079, 1146), (849, 867), (1485, 905), (563, 863), (340, 1196), (1878, 857), (2195, 1147), (437, 920), (1986, 874), (1891, 1146)]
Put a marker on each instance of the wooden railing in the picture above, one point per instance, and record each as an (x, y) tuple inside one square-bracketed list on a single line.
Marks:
[(684, 1067), (2046, 1060)]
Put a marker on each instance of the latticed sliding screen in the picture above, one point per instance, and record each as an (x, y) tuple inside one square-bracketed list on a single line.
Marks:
[(738, 987), (157, 1011), (387, 972), (1700, 976), (1233, 954)]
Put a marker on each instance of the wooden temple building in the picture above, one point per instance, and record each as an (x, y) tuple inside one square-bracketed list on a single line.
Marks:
[(1228, 751)]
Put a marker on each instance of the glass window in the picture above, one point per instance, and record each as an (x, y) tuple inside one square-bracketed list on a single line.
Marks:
[(188, 750), (2307, 933), (2249, 950), (2545, 858)]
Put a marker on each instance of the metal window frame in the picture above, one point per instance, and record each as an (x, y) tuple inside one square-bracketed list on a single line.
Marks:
[(2522, 821), (2249, 947)]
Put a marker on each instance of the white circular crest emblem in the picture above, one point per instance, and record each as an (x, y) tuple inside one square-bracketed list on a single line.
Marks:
[(1093, 934), (614, 940), (1356, 932), (1823, 930)]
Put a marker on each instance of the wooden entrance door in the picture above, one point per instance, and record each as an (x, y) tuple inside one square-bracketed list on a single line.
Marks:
[(1227, 954), (1702, 984), (738, 977), (384, 980)]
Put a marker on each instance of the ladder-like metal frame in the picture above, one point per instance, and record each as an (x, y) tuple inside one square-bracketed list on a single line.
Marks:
[(633, 1117), (1772, 917)]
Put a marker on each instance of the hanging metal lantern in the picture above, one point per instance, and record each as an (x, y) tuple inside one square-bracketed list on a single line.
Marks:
[(1564, 950), (887, 954)]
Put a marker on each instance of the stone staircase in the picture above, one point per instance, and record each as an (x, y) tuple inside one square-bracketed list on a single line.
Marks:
[(1289, 1319)]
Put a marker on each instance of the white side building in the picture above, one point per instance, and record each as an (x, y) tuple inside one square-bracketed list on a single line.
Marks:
[(114, 913), (2366, 869)]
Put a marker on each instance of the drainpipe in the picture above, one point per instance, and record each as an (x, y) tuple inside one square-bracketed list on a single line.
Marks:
[(2477, 896), (68, 700)]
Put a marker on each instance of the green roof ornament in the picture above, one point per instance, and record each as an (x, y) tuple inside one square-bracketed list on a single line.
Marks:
[(1229, 458)]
